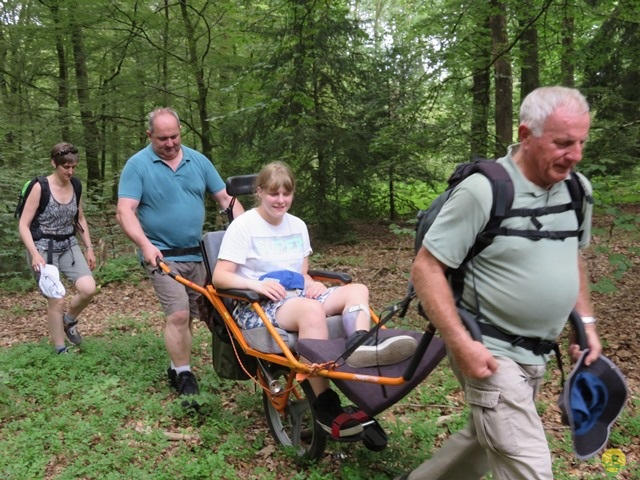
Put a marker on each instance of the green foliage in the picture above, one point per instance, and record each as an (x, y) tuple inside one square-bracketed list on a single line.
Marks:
[(366, 100), (610, 78), (403, 230), (125, 268), (615, 198), (627, 428), (17, 285), (106, 411)]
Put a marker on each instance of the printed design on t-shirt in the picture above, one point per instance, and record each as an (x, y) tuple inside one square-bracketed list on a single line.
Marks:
[(288, 246)]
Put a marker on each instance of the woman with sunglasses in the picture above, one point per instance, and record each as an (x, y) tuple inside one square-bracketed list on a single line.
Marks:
[(49, 235)]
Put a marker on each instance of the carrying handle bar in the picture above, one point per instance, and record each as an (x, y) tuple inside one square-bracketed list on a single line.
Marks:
[(578, 329)]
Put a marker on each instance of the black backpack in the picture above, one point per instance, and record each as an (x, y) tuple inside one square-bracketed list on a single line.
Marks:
[(36, 233), (503, 194)]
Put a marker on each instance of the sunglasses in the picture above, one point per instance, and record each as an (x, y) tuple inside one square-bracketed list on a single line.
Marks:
[(66, 151)]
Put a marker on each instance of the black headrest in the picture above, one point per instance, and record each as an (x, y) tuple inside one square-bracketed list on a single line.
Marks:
[(241, 185)]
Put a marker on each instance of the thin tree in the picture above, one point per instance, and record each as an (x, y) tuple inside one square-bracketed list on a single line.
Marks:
[(481, 88), (530, 65), (89, 124), (503, 82)]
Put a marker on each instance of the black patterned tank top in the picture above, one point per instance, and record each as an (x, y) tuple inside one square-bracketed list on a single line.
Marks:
[(58, 219)]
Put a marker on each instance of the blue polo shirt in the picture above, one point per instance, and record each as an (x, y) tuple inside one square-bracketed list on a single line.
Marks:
[(171, 209)]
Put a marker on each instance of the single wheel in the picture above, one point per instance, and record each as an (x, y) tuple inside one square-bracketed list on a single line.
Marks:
[(290, 417)]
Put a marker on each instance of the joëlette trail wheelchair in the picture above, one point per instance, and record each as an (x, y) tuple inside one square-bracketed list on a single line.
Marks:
[(272, 357)]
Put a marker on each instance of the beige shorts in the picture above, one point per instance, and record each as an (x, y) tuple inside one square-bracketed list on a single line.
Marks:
[(70, 262), (174, 296)]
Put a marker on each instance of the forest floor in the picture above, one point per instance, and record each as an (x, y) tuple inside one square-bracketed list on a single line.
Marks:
[(382, 260)]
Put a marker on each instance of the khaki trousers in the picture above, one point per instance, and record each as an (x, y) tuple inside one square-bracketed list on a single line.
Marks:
[(504, 434)]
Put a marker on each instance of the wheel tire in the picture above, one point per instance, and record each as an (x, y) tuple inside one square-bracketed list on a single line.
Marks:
[(297, 427)]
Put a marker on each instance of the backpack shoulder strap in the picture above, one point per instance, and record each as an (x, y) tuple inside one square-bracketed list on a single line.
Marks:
[(578, 196), (503, 194), (77, 188), (44, 194), (501, 186), (46, 191)]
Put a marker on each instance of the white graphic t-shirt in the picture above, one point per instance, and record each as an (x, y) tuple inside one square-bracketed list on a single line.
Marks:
[(258, 247)]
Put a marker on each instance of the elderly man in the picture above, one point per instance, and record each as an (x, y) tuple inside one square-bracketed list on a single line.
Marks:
[(517, 286)]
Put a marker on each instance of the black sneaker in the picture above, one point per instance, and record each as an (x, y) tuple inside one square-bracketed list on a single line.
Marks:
[(387, 352), (333, 418), (185, 383), (71, 330)]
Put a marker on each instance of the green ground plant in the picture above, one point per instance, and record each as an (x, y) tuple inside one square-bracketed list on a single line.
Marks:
[(125, 268), (106, 411)]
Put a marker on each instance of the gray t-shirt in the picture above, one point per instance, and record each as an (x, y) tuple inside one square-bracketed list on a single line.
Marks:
[(525, 287)]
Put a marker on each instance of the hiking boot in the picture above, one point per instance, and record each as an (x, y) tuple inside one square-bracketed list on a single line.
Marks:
[(185, 383), (68, 349), (71, 330), (333, 418), (386, 352)]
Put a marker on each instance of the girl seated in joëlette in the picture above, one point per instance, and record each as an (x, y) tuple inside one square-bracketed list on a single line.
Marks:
[(267, 250)]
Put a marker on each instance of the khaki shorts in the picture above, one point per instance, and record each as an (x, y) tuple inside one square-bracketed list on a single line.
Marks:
[(174, 296), (70, 262)]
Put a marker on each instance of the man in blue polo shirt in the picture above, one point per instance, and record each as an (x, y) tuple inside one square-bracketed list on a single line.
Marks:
[(161, 209)]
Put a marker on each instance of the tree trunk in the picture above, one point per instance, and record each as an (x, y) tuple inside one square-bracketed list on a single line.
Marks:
[(165, 56), (530, 69), (7, 132), (89, 125), (502, 70), (480, 92), (198, 73), (63, 77), (567, 60)]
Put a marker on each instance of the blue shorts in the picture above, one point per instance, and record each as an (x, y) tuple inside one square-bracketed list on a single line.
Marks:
[(247, 318)]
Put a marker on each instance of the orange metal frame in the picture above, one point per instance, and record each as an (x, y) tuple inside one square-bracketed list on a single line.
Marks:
[(287, 358)]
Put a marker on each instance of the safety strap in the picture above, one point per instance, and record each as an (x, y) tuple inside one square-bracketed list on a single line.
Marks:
[(534, 214), (538, 234), (59, 238)]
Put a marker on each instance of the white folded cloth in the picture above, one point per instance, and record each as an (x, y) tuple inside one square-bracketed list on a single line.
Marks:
[(49, 282)]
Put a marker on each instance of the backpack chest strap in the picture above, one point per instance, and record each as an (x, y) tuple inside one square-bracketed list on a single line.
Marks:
[(534, 234)]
